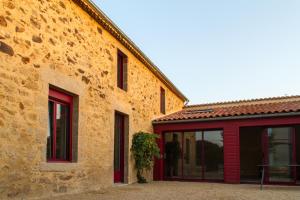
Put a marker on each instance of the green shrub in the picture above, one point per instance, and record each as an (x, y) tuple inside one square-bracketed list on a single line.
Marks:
[(144, 149)]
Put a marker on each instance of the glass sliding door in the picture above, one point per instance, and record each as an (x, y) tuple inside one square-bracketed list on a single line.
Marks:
[(194, 155), (280, 154), (173, 155), (192, 167), (213, 155)]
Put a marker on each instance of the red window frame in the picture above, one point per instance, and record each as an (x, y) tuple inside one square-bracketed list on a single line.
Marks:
[(64, 99), (121, 70), (162, 100)]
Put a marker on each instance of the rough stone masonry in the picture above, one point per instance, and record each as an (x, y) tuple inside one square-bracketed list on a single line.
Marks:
[(53, 42)]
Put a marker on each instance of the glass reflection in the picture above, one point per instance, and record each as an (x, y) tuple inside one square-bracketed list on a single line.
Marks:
[(202, 156), (173, 158), (280, 154), (192, 167), (62, 129), (214, 155), (50, 130)]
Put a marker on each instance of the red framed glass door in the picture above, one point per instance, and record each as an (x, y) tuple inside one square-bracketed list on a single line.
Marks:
[(196, 155), (279, 155), (119, 148)]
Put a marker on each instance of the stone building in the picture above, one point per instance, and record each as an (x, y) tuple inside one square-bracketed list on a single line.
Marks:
[(73, 90)]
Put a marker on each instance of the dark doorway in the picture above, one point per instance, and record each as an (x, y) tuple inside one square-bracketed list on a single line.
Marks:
[(119, 143), (251, 153)]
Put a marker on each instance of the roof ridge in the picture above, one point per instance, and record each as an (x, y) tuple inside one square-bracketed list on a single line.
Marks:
[(243, 101)]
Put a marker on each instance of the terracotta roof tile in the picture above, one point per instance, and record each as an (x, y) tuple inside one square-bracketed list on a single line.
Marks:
[(274, 105)]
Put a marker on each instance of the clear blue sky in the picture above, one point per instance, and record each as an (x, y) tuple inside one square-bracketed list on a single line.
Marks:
[(217, 50)]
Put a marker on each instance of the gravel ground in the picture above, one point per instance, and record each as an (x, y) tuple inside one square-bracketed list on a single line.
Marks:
[(190, 191)]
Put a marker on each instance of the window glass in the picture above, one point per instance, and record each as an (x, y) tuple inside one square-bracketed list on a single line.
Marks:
[(50, 131), (202, 156), (122, 71), (192, 153), (280, 151), (62, 131), (173, 155), (214, 155), (162, 101)]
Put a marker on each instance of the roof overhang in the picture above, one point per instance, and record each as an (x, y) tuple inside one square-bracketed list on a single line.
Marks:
[(95, 12), (227, 118)]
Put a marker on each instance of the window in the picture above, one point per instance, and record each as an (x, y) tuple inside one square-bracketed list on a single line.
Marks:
[(162, 101), (122, 71), (59, 145)]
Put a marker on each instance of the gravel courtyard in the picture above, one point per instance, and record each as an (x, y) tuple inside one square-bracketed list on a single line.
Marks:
[(190, 191)]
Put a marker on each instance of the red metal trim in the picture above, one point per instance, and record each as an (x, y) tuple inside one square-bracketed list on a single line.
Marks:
[(158, 174), (56, 95), (274, 121)]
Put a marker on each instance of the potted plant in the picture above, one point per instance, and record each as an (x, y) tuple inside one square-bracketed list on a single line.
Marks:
[(144, 149)]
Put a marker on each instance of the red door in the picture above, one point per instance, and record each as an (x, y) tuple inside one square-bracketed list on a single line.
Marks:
[(119, 149)]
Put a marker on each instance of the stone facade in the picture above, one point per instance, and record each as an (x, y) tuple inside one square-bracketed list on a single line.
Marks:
[(57, 43)]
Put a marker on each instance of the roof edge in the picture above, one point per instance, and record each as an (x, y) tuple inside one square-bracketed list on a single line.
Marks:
[(99, 16), (243, 101), (225, 118)]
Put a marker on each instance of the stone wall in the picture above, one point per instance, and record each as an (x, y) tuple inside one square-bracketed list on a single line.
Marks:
[(55, 42)]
